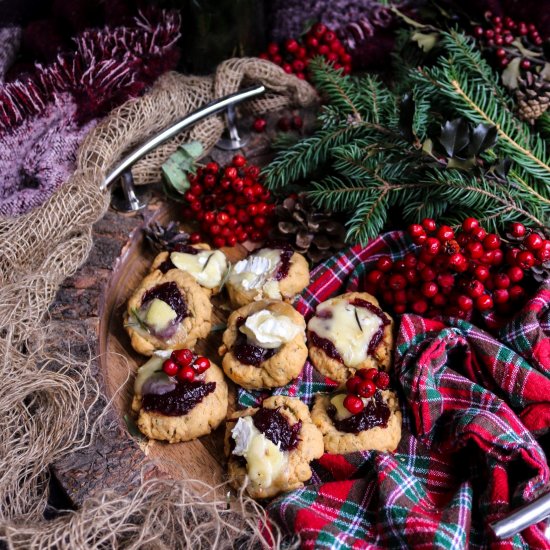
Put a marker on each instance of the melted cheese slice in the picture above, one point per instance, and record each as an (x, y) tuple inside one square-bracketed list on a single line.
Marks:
[(350, 329), (159, 315), (265, 462), (207, 267), (270, 330), (257, 272)]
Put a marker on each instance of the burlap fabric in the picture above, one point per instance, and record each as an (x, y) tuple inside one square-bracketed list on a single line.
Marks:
[(45, 399)]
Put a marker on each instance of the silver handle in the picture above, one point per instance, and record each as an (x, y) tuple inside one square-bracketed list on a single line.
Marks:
[(209, 109), (523, 517)]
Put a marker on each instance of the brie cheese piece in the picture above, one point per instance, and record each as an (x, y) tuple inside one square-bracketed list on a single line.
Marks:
[(257, 270), (208, 267), (270, 330)]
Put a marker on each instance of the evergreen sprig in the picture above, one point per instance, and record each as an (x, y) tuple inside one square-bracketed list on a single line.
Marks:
[(362, 161)]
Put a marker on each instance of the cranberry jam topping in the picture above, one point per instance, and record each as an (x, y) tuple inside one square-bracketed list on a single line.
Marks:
[(377, 336), (276, 428), (179, 401), (169, 293), (375, 413), (326, 345), (286, 254), (249, 354)]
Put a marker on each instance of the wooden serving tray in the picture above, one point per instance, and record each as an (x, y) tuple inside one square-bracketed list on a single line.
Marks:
[(201, 459)]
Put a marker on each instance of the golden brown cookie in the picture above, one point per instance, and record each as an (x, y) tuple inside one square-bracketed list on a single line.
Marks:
[(289, 357), (267, 469), (208, 267), (200, 420), (377, 438), (343, 338), (160, 326), (261, 276)]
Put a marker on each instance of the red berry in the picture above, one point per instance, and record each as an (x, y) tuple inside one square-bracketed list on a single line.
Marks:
[(231, 240), (212, 168), (498, 256), (500, 52), (196, 189), (525, 64), (458, 262), (399, 309), (479, 233), (439, 300), (533, 241), (259, 125), (515, 273), (410, 260), (297, 122), (291, 45), (400, 297), (367, 374), (431, 245), (384, 263), (516, 292), (517, 229), (415, 230), (487, 257), (481, 272), (475, 289), (260, 221), (396, 281), (429, 289), (419, 306), (170, 367), (252, 210), (445, 280), (465, 303), (469, 225), (491, 242), (352, 383), (429, 224), (543, 254), (186, 374), (374, 276), (239, 161), (195, 238), (525, 259), (478, 31), (219, 242), (445, 233), (222, 218), (366, 388), (329, 37), (272, 48), (182, 356), (474, 250), (382, 380), (201, 365), (484, 302), (255, 236), (427, 274), (230, 172), (501, 280), (501, 296), (353, 404)]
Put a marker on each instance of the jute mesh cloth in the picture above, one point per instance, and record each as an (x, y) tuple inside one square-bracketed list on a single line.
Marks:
[(45, 399)]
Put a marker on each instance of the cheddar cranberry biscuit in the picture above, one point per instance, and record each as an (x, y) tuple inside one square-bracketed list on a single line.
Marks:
[(375, 424), (179, 401), (167, 311), (270, 448), (208, 267), (347, 333), (264, 345), (274, 272)]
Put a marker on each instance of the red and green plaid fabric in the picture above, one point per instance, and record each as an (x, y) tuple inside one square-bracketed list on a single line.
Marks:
[(476, 413)]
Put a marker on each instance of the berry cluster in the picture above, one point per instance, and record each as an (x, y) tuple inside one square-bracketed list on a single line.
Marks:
[(295, 54), (364, 385), (185, 365), (229, 202), (500, 35), (285, 123), (457, 274)]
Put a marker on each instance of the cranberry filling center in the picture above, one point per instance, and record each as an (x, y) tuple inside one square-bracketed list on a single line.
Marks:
[(179, 401), (276, 428), (247, 353), (169, 293), (375, 413)]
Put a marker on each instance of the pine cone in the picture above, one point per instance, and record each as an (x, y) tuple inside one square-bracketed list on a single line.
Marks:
[(316, 234), (533, 97), (162, 238)]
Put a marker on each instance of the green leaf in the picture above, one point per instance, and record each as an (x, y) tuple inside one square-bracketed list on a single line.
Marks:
[(510, 75), (425, 41), (454, 136), (484, 136), (194, 149)]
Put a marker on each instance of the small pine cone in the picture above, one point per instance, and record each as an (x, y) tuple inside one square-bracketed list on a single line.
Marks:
[(316, 234), (162, 238), (533, 97)]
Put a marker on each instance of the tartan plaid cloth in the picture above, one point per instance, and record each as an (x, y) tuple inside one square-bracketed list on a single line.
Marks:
[(476, 413)]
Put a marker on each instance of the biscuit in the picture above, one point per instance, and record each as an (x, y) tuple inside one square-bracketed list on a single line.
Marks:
[(195, 325), (377, 438), (266, 286), (298, 470), (200, 420), (338, 368), (279, 369)]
